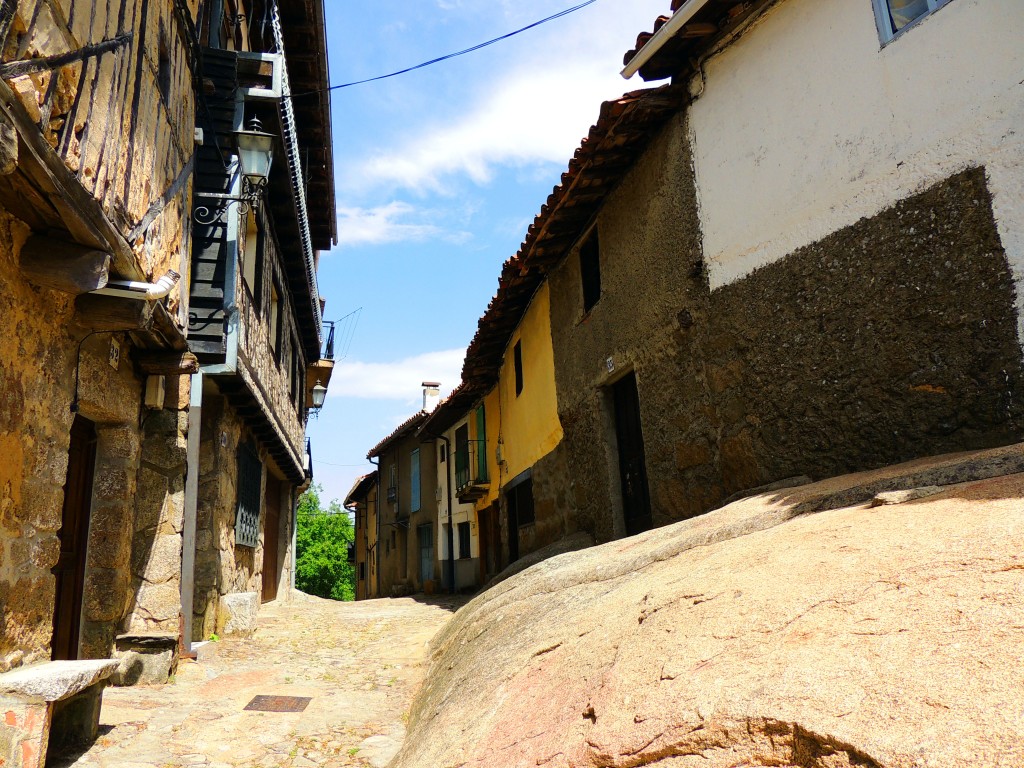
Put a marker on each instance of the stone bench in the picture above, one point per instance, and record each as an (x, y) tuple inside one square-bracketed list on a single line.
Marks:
[(52, 704), (145, 658)]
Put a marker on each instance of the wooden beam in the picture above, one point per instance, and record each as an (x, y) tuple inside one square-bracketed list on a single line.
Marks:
[(110, 313), (83, 214), (66, 267), (167, 363)]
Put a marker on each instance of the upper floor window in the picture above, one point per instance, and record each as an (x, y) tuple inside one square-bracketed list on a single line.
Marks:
[(896, 15), (414, 479), (517, 362), (590, 270), (275, 319), (250, 259)]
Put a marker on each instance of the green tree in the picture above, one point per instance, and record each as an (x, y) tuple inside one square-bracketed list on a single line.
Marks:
[(323, 537)]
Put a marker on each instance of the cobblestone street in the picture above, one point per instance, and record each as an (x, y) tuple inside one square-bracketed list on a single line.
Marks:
[(359, 662)]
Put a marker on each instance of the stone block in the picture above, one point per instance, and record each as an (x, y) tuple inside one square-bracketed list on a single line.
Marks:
[(145, 659), (159, 602), (163, 562), (237, 613), (104, 594), (149, 500), (118, 442), (109, 535), (114, 485)]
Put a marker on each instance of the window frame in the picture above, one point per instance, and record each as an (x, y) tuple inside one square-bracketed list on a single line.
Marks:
[(248, 507), (465, 550), (415, 484), (884, 21), (590, 270), (517, 364)]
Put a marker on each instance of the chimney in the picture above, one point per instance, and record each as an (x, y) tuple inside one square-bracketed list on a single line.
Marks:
[(431, 395)]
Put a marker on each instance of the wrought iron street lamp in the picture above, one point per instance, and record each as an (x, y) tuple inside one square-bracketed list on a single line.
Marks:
[(255, 154), (319, 394)]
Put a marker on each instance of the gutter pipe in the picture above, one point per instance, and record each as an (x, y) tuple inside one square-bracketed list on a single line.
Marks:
[(685, 13), (132, 289), (451, 533)]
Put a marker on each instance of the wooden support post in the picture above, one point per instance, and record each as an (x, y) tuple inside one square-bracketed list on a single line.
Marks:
[(167, 363), (64, 266), (109, 313)]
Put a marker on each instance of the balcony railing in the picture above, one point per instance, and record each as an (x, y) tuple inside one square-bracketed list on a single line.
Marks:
[(471, 480), (328, 351)]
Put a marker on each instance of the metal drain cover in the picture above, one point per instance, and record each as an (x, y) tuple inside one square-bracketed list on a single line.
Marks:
[(279, 703)]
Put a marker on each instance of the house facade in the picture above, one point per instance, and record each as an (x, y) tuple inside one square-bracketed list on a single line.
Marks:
[(126, 425), (809, 266), (96, 128), (361, 501), (255, 323), (406, 530)]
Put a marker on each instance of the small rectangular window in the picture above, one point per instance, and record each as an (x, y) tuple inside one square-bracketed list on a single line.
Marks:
[(464, 541), (590, 270), (894, 16), (250, 483), (520, 503), (275, 320), (517, 359), (443, 453), (414, 479)]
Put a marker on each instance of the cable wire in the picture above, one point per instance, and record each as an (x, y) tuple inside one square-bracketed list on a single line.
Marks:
[(463, 52)]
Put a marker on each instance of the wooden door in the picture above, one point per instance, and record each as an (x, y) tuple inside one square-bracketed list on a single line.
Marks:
[(74, 533), (636, 500), (426, 537), (271, 536)]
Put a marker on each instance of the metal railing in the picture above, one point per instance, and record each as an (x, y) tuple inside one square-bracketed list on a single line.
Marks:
[(328, 351), (470, 463)]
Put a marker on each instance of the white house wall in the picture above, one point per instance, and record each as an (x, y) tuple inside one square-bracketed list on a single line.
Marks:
[(789, 148)]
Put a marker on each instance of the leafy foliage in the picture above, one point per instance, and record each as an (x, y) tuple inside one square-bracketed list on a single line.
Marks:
[(323, 537)]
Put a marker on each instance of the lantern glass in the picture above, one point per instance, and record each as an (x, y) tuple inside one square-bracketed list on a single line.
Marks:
[(319, 395), (255, 153)]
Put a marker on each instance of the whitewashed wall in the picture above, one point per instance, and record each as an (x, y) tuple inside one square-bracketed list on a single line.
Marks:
[(806, 124)]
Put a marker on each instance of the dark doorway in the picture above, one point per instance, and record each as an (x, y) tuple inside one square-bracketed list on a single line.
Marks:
[(271, 536), (512, 514), (74, 533), (425, 534), (490, 543), (636, 499)]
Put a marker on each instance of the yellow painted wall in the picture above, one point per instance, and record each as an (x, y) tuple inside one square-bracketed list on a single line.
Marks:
[(527, 424)]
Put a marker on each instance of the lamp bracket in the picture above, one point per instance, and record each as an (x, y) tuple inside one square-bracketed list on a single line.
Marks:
[(248, 200)]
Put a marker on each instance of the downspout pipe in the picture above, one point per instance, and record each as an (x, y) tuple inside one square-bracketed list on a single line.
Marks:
[(132, 289), (679, 19), (451, 534), (376, 516)]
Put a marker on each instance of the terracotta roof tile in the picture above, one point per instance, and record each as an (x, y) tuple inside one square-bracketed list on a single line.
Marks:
[(678, 55), (405, 428)]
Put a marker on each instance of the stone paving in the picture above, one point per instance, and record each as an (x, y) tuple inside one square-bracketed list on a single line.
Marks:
[(360, 662)]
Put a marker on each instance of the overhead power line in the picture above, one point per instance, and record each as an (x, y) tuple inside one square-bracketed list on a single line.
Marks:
[(463, 52)]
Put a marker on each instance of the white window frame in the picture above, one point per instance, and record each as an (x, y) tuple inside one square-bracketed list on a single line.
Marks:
[(884, 21)]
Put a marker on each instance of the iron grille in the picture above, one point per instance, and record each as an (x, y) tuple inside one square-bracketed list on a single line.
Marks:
[(250, 480)]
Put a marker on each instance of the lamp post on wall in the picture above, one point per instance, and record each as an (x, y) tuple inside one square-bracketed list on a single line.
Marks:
[(255, 154), (319, 394)]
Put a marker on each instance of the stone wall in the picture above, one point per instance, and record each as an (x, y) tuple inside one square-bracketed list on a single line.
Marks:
[(552, 506), (889, 339), (36, 383), (221, 566), (653, 294), (159, 516)]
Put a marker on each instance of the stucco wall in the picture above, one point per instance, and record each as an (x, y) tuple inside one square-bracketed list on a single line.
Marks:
[(789, 148), (529, 419)]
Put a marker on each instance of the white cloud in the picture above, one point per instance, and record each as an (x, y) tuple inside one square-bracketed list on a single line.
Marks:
[(536, 112), (399, 379), (394, 222)]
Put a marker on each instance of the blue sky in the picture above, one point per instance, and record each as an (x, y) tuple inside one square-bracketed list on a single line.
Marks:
[(439, 173)]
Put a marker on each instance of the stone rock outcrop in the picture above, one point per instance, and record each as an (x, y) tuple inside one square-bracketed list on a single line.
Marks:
[(766, 633)]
